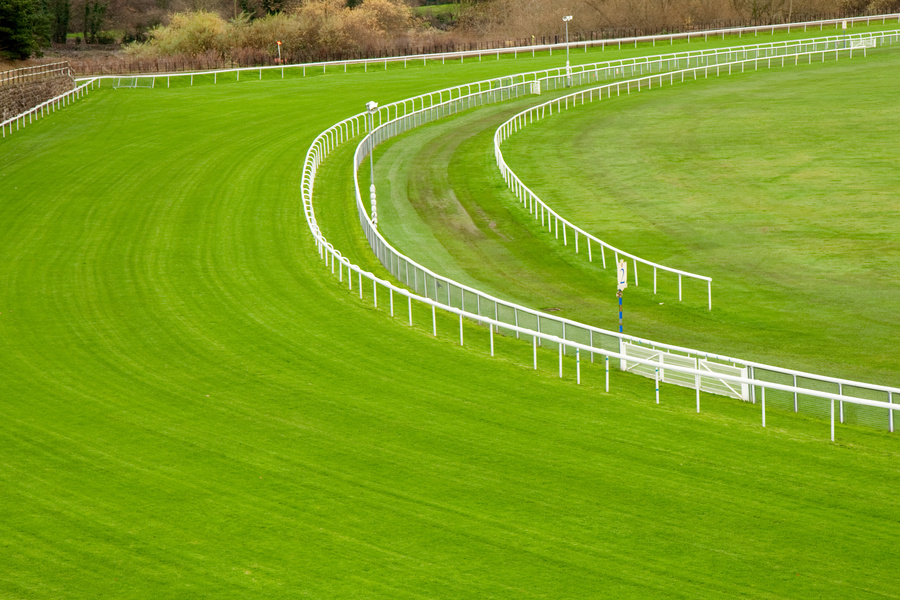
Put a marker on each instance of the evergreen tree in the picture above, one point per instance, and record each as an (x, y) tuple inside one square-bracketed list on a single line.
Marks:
[(22, 24), (59, 20), (94, 14)]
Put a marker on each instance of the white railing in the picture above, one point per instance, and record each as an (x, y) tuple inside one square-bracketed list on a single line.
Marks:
[(669, 64), (515, 50), (52, 105), (26, 74), (568, 336)]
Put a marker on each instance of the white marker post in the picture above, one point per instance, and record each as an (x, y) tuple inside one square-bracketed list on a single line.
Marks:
[(280, 62), (566, 20), (622, 273), (371, 107)]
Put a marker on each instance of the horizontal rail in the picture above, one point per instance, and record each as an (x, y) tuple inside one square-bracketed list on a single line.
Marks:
[(25, 74)]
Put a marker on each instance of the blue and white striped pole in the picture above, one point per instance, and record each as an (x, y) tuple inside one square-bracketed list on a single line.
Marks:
[(620, 294), (622, 272)]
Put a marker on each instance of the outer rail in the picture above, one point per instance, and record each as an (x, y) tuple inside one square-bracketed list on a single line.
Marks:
[(524, 50)]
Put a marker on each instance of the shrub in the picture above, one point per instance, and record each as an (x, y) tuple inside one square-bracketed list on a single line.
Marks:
[(315, 29), (187, 33)]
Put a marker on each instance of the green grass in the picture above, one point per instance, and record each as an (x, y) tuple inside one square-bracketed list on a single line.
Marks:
[(448, 10), (779, 185), (192, 407)]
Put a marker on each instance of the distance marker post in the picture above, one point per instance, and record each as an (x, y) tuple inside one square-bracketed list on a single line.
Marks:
[(371, 108), (619, 296), (622, 273)]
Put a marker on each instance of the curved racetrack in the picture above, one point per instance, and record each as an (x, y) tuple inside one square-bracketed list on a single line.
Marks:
[(192, 407)]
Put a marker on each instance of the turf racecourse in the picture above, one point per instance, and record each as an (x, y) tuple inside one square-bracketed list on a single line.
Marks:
[(193, 408)]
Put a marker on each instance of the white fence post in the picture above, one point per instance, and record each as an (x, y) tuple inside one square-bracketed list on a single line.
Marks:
[(832, 419), (697, 385), (606, 356), (560, 358), (657, 385), (890, 413), (578, 366)]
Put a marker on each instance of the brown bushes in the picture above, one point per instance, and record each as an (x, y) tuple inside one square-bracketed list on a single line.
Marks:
[(517, 17), (308, 30), (320, 30)]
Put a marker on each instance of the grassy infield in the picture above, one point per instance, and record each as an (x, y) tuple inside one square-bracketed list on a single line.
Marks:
[(191, 407)]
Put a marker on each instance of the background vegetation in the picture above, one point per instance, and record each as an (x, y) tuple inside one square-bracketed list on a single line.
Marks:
[(245, 30), (371, 27)]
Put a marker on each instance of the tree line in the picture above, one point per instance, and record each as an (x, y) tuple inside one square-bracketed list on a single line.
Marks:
[(229, 27), (28, 25)]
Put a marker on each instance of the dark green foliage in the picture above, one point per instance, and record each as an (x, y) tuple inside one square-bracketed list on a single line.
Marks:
[(94, 15), (260, 8), (22, 24), (138, 35), (58, 13)]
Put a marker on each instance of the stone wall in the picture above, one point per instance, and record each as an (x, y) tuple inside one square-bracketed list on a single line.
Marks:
[(16, 99)]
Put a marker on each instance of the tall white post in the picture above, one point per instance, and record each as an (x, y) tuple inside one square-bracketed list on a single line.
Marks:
[(697, 383), (891, 413), (566, 20), (657, 385), (607, 372), (560, 359), (832, 419)]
